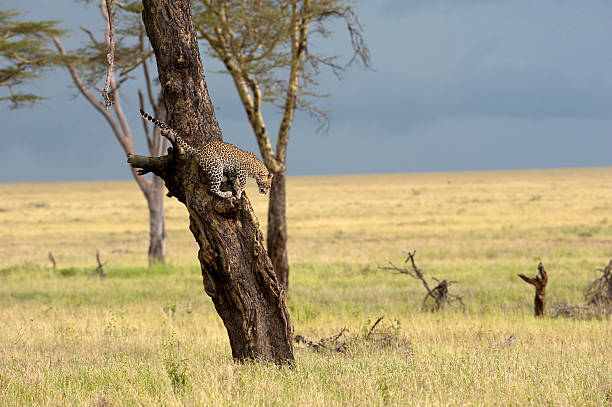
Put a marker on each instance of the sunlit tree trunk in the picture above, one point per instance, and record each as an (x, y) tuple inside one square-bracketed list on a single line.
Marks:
[(236, 270), (157, 227), (277, 229)]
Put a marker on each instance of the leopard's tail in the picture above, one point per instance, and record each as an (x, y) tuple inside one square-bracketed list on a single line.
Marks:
[(168, 132)]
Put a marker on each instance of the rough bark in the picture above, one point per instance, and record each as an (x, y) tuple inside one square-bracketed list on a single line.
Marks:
[(236, 270), (539, 282), (277, 229)]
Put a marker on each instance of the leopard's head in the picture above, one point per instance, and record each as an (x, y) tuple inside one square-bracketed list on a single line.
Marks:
[(264, 181)]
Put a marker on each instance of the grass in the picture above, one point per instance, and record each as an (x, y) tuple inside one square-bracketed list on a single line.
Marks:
[(151, 336)]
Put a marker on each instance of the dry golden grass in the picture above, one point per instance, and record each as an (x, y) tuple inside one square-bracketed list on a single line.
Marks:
[(151, 336)]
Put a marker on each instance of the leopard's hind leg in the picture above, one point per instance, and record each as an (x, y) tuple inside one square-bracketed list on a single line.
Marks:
[(215, 176), (240, 182)]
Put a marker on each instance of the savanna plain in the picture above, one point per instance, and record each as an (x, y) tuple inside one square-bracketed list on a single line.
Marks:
[(150, 336)]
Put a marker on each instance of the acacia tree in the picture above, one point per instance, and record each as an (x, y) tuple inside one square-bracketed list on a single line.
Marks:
[(25, 51), (263, 45), (87, 65), (236, 270)]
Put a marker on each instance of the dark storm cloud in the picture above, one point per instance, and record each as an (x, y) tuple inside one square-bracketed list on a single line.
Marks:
[(397, 8), (517, 58), (456, 85)]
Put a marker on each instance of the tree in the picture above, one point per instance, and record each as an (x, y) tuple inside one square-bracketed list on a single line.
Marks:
[(539, 282), (236, 270), (260, 42), (24, 47), (87, 65)]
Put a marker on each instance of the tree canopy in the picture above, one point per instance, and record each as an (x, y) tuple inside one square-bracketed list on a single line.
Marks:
[(25, 50)]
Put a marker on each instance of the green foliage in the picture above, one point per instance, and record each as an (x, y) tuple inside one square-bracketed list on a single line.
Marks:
[(24, 54), (131, 48), (26, 51), (21, 269), (257, 37), (68, 272), (175, 364)]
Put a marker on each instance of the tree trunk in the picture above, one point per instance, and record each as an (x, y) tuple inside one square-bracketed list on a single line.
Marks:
[(236, 270), (539, 282), (157, 228), (277, 229)]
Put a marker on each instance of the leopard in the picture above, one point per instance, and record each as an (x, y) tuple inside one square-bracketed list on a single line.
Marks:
[(221, 160)]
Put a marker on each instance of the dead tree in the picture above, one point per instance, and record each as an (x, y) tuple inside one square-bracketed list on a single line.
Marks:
[(52, 259), (439, 293), (236, 269), (337, 343), (539, 282), (599, 291), (100, 268)]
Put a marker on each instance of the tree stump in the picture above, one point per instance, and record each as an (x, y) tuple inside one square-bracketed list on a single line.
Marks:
[(539, 282)]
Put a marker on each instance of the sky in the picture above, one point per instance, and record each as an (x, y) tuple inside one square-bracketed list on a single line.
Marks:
[(456, 85)]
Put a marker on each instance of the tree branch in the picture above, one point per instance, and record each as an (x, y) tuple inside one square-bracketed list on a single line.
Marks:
[(300, 22), (91, 36), (252, 107), (119, 135), (145, 68), (539, 282), (439, 293), (145, 123), (109, 15), (145, 165)]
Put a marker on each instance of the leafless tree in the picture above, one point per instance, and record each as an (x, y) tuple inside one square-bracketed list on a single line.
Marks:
[(539, 282)]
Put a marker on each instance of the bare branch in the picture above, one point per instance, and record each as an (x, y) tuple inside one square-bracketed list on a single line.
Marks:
[(332, 342), (145, 68), (300, 23), (539, 282), (52, 259), (91, 36), (361, 52), (145, 123), (120, 135), (109, 15), (156, 165), (599, 291), (99, 269), (373, 327), (439, 293), (529, 280)]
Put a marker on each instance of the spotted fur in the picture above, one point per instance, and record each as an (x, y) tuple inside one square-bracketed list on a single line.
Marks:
[(217, 158)]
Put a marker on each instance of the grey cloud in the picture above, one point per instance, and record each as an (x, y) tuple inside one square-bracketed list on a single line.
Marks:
[(457, 85)]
